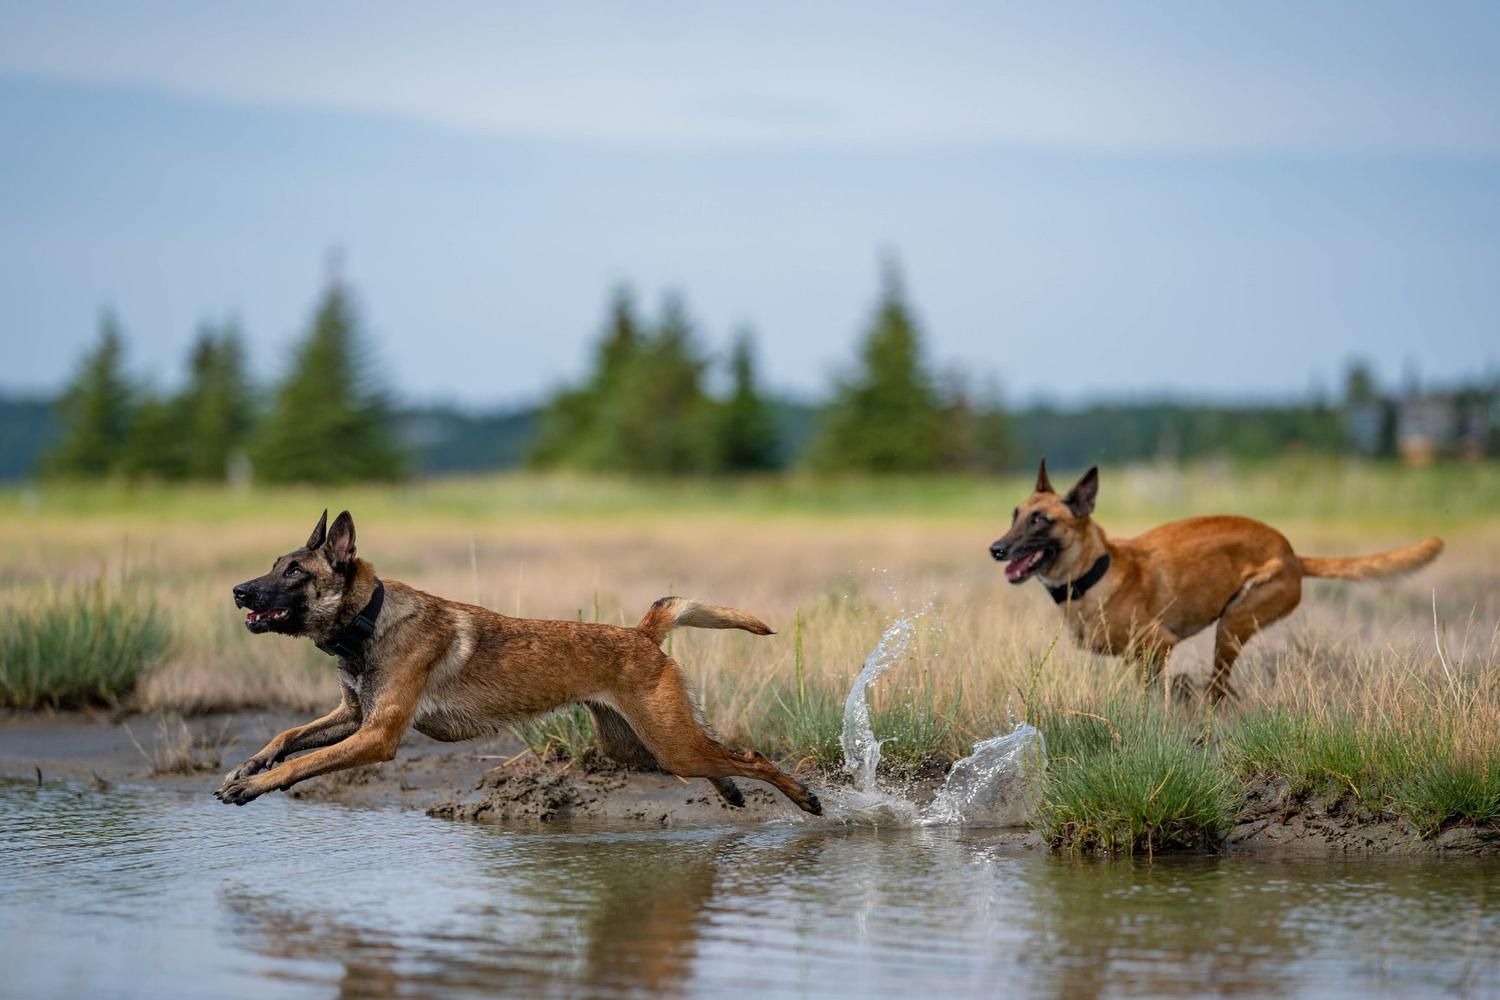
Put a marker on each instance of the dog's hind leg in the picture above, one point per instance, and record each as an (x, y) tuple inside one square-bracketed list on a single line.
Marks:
[(664, 719), (620, 744), (618, 741), (1268, 596)]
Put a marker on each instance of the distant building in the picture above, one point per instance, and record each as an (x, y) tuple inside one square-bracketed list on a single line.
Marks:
[(1444, 426)]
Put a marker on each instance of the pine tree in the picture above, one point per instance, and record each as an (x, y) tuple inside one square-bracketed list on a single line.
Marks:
[(887, 418), (571, 422), (747, 428), (328, 423), (656, 418), (96, 409), (643, 408), (156, 445), (217, 403)]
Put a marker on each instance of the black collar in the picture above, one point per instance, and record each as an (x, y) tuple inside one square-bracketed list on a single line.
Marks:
[(1077, 588), (349, 642)]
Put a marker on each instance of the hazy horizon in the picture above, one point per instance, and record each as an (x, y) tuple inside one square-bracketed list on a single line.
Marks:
[(1182, 201)]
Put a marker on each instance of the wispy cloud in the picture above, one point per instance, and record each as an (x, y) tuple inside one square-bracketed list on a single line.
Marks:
[(1327, 78)]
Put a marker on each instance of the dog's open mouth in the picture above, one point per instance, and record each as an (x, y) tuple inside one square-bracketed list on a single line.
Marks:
[(265, 617), (1022, 567)]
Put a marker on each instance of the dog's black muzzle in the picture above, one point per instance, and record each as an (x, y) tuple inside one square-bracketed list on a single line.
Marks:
[(249, 596)]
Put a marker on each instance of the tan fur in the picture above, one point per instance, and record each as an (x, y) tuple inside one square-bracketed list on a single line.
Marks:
[(1402, 560), (455, 671), (672, 612), (1176, 580)]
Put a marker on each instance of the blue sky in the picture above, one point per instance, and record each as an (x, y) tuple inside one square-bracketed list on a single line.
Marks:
[(1192, 198)]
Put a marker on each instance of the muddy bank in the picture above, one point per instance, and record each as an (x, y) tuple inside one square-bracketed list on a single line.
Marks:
[(498, 781)]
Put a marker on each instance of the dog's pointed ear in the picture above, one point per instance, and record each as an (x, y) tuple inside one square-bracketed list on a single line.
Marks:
[(341, 540), (1081, 497), (1043, 484), (319, 534)]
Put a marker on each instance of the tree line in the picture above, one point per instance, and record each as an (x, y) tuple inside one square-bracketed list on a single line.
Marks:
[(325, 421), (646, 406)]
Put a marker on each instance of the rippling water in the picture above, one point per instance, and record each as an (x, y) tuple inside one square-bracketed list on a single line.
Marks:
[(143, 893)]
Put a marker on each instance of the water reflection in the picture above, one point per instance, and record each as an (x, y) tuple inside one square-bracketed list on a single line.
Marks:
[(178, 896)]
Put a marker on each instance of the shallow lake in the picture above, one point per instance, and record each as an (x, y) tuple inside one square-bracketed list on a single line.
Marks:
[(142, 892)]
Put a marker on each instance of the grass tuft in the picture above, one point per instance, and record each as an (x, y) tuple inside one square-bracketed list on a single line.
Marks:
[(1125, 779), (78, 648), (567, 734), (1450, 789)]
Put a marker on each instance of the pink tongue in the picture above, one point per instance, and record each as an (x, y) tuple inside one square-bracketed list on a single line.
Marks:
[(1018, 569)]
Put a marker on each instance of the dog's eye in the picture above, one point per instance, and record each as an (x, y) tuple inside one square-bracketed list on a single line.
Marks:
[(293, 570), (1038, 518)]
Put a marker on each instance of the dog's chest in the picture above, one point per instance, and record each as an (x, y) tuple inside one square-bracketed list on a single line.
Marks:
[(1095, 628), (358, 683)]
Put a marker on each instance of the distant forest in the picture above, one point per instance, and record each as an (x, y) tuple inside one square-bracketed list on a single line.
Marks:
[(644, 408)]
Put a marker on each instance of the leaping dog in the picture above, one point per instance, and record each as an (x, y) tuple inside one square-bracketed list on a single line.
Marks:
[(455, 671)]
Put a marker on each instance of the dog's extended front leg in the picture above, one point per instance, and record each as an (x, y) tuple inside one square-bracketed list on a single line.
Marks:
[(367, 746), (337, 725), (374, 741)]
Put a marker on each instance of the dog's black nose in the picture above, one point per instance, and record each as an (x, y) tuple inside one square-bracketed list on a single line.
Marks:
[(241, 594), (998, 551)]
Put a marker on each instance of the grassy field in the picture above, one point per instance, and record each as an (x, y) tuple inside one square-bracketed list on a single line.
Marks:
[(123, 592)]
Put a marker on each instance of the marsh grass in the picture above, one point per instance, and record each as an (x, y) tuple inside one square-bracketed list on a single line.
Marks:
[(567, 734), (78, 646), (1450, 789), (1130, 777), (175, 749), (1348, 697)]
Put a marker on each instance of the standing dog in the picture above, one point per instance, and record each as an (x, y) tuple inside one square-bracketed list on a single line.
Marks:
[(454, 671), (1139, 597)]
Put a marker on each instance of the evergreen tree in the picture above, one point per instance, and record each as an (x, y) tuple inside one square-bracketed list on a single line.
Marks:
[(327, 422), (642, 409), (747, 428), (217, 402), (656, 418), (571, 422), (887, 418), (156, 445), (95, 409)]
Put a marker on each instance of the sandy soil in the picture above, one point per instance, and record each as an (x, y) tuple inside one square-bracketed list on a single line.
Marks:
[(498, 781)]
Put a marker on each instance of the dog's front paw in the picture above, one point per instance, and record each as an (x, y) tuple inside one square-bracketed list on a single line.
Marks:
[(254, 765), (238, 791)]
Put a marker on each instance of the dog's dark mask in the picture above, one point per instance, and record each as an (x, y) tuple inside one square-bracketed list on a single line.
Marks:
[(304, 589), (1044, 525)]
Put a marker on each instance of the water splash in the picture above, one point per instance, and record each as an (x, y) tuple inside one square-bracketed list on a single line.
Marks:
[(997, 784), (863, 803), (861, 748)]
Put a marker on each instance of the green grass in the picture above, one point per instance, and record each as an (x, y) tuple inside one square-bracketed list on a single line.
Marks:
[(1128, 778), (1450, 789), (567, 734), (1307, 489), (1431, 772), (78, 648), (1328, 755)]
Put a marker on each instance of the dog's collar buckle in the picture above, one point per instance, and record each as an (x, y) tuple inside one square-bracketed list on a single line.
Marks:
[(1075, 589), (349, 642)]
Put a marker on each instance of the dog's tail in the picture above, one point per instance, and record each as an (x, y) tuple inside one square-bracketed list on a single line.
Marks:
[(1396, 561), (670, 612)]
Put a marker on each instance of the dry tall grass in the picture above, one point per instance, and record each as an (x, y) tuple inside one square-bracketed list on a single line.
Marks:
[(845, 557)]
